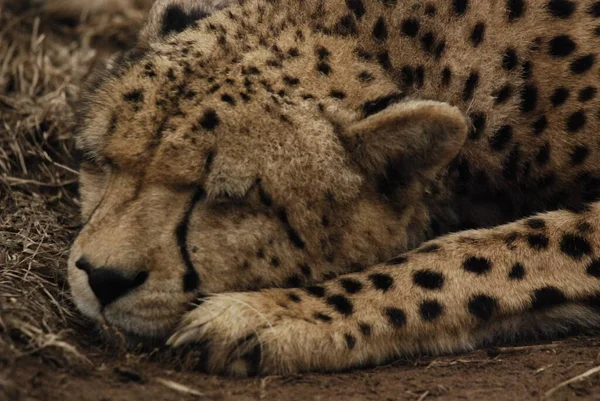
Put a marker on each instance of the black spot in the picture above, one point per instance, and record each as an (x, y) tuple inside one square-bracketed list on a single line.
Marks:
[(594, 9), (501, 138), (228, 99), (561, 8), (346, 26), (583, 64), (275, 262), (539, 125), (477, 265), (446, 76), (547, 297), (293, 297), (305, 269), (430, 310), (559, 96), (593, 269), (407, 75), (337, 94), (482, 307), (503, 94), (396, 316), (381, 103), (478, 121), (427, 41), (316, 290), (292, 81), (535, 223), (398, 260), (324, 67), (383, 59), (537, 241), (460, 6), (293, 281), (381, 281), (470, 86), (322, 316), (294, 52), (575, 246), (510, 59), (175, 19), (517, 272), (341, 304), (380, 32), (510, 240), (428, 279), (419, 76), (561, 46), (365, 76), (365, 329), (322, 53), (478, 34), (350, 340), (135, 96), (597, 31), (576, 121), (350, 285), (210, 120), (527, 70), (587, 93), (516, 8), (529, 96), (439, 49), (357, 7), (579, 154), (410, 27), (430, 10)]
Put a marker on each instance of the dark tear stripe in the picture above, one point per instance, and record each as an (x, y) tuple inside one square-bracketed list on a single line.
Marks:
[(191, 280), (293, 235)]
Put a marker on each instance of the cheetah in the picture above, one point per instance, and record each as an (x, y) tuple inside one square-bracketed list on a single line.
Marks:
[(291, 186)]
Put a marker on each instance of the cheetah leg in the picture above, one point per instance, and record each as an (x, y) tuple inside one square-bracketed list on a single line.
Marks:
[(538, 275)]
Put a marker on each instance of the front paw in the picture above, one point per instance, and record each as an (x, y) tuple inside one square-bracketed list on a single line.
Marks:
[(268, 332)]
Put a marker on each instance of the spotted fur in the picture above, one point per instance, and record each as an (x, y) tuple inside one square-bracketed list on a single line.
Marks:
[(440, 157)]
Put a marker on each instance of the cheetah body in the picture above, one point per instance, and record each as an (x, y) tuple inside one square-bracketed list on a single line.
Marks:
[(274, 144)]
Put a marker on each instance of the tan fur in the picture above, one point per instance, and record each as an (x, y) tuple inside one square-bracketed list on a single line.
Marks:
[(282, 143)]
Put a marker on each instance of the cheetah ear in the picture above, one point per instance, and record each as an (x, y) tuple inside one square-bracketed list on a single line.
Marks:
[(408, 139), (168, 17)]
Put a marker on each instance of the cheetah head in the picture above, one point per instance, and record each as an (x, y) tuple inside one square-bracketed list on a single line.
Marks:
[(218, 163)]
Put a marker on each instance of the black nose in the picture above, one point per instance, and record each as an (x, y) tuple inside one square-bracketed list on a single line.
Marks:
[(108, 284)]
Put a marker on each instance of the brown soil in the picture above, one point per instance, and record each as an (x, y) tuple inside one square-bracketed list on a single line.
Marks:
[(48, 352)]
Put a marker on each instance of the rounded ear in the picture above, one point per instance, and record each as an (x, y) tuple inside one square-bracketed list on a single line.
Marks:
[(407, 139), (167, 17)]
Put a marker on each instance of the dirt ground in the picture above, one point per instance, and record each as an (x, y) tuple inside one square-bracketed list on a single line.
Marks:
[(48, 352)]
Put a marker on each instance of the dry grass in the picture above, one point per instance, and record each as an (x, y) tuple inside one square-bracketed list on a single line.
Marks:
[(43, 62)]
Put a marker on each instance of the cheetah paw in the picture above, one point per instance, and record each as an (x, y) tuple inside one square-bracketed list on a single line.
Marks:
[(266, 332)]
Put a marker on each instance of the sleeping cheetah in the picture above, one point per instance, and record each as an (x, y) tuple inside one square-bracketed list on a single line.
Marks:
[(376, 168)]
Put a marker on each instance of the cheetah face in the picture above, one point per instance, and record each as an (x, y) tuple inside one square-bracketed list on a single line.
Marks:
[(200, 179)]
